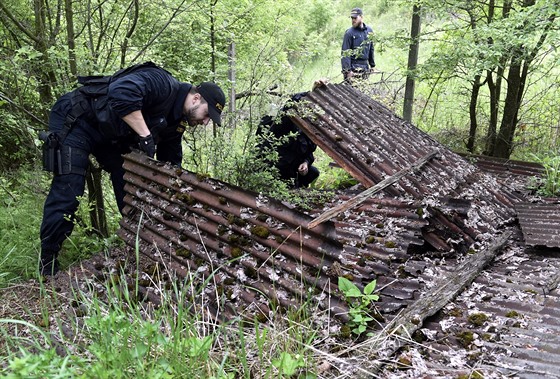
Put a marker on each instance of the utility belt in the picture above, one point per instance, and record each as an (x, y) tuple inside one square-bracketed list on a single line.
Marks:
[(58, 157)]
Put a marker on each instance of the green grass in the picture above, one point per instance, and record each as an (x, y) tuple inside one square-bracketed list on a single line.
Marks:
[(22, 195), (119, 337)]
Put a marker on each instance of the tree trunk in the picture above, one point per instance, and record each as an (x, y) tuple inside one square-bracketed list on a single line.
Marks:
[(231, 77), (213, 46), (495, 87), (130, 32), (45, 75), (412, 61), (504, 138), (71, 37), (472, 112)]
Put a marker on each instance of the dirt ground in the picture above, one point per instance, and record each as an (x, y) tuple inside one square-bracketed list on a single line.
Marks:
[(50, 304)]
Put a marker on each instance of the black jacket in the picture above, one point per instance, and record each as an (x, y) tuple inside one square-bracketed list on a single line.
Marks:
[(356, 39), (296, 149), (147, 88)]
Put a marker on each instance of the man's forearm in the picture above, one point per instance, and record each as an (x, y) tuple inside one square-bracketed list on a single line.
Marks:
[(137, 123)]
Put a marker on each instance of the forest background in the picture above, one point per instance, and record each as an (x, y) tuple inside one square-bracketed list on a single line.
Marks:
[(486, 81), (486, 78)]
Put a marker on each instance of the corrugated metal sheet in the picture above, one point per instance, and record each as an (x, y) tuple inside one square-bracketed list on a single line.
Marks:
[(506, 322), (540, 223), (256, 251), (370, 142), (249, 254), (500, 166)]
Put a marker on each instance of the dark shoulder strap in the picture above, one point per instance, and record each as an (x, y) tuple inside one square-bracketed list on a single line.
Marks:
[(125, 71), (106, 79)]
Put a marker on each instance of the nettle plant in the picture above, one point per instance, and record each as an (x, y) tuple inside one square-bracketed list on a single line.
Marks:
[(359, 303)]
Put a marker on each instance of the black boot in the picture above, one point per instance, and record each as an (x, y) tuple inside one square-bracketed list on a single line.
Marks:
[(49, 264)]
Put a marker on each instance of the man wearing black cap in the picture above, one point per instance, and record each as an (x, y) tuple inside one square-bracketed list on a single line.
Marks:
[(141, 107), (357, 50)]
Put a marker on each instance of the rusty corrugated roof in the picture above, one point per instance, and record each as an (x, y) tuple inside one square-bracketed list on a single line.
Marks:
[(505, 323), (501, 166), (540, 223), (254, 248), (370, 142), (249, 254)]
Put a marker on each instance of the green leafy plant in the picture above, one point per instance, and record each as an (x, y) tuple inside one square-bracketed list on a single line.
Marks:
[(287, 364), (359, 302), (549, 183)]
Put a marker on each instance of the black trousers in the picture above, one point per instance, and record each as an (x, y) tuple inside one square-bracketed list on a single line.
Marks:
[(61, 203)]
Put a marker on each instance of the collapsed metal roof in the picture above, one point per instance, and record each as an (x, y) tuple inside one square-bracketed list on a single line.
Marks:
[(262, 249), (255, 248), (370, 142), (250, 255), (505, 167)]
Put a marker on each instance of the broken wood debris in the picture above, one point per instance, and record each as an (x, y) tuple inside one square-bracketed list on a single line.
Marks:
[(359, 199)]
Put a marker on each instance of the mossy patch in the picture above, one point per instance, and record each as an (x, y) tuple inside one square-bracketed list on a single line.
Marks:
[(186, 198), (512, 314), (477, 319), (202, 177), (390, 244), (471, 375), (184, 253), (370, 239), (260, 231), (236, 252), (465, 338)]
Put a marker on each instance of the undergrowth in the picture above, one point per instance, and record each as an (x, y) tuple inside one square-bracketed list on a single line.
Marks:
[(117, 336), (22, 195), (549, 184)]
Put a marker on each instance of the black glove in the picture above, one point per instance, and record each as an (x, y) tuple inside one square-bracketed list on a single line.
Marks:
[(147, 145)]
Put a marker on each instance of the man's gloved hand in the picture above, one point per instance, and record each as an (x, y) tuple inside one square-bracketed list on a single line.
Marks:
[(147, 145)]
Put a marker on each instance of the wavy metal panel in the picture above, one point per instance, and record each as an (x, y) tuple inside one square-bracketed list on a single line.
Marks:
[(257, 253), (500, 166), (540, 223), (506, 324), (370, 142)]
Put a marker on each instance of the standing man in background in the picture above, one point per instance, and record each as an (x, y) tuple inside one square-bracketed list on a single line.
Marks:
[(357, 50)]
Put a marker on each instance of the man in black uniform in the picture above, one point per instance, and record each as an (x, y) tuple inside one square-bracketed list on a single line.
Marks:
[(142, 106), (295, 149)]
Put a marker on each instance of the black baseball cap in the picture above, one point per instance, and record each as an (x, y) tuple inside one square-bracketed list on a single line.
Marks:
[(215, 98), (356, 12)]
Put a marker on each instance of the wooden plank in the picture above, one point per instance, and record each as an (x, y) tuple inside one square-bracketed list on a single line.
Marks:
[(397, 333), (359, 199)]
